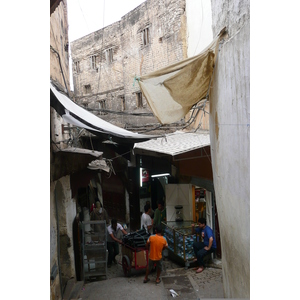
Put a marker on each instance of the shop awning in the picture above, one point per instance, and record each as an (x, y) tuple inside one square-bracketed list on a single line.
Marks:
[(172, 91), (78, 116), (71, 160), (173, 144)]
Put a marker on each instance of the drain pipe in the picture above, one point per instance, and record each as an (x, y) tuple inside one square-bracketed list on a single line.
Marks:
[(58, 244)]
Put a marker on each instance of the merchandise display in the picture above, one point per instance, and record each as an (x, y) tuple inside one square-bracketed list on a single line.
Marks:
[(136, 239), (180, 239), (94, 249)]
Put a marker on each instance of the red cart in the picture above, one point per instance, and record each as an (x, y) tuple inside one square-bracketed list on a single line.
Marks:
[(133, 258)]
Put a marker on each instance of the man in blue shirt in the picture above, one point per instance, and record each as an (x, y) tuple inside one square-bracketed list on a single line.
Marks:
[(206, 247)]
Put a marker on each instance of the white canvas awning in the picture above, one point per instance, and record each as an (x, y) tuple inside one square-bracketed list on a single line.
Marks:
[(172, 91), (78, 116)]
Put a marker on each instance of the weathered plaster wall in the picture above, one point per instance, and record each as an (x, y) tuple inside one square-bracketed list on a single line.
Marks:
[(60, 189), (59, 40), (60, 200), (230, 143), (166, 24)]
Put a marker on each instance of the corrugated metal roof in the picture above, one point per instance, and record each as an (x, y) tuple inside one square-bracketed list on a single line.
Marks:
[(175, 143)]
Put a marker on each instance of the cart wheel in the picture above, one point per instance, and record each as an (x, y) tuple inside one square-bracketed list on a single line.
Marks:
[(126, 266)]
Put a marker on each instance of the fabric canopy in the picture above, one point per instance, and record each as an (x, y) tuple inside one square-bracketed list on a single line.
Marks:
[(172, 91), (78, 116)]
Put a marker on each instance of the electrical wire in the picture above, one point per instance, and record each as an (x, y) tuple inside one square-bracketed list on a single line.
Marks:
[(83, 16), (150, 114)]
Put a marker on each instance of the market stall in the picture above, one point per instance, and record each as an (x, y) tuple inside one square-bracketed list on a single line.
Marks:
[(180, 240)]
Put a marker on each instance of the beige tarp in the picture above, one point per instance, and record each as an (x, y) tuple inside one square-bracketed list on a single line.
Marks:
[(172, 91)]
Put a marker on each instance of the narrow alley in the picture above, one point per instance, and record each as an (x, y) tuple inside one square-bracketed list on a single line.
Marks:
[(185, 282)]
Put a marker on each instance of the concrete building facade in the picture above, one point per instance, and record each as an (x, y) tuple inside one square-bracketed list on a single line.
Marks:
[(107, 63)]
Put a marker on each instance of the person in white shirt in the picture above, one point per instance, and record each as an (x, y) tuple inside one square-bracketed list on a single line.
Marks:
[(146, 221), (113, 241)]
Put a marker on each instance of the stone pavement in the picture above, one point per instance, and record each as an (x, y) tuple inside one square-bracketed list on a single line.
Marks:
[(185, 282)]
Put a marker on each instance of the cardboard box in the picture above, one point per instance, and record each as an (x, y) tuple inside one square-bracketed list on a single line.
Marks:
[(141, 258)]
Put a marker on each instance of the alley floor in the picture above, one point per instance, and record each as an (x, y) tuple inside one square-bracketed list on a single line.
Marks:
[(185, 282)]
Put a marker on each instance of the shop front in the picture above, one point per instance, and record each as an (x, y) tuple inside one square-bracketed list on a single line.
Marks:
[(187, 189)]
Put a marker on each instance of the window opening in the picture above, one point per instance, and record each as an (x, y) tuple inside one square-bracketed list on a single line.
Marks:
[(122, 103), (94, 62), (102, 105), (109, 55), (145, 36), (139, 100), (76, 67), (87, 88)]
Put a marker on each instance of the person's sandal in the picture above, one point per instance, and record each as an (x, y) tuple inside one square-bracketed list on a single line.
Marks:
[(158, 282), (200, 270), (146, 280)]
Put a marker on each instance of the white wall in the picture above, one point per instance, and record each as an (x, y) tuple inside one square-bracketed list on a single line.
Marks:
[(230, 143), (179, 194), (199, 25)]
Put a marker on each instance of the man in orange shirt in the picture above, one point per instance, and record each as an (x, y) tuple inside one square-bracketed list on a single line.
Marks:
[(157, 244)]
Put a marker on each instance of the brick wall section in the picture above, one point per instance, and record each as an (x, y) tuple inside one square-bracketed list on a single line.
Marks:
[(166, 23)]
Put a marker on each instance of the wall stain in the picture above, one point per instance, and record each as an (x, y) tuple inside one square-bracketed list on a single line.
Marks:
[(216, 125)]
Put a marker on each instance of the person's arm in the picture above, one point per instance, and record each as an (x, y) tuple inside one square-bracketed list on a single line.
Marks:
[(165, 245), (115, 239), (150, 226), (210, 241), (147, 244), (92, 214), (124, 231), (149, 223), (164, 218)]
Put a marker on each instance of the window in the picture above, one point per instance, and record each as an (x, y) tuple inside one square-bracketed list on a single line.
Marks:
[(94, 62), (109, 55), (87, 88), (139, 100), (145, 36), (76, 67), (122, 103), (102, 105)]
